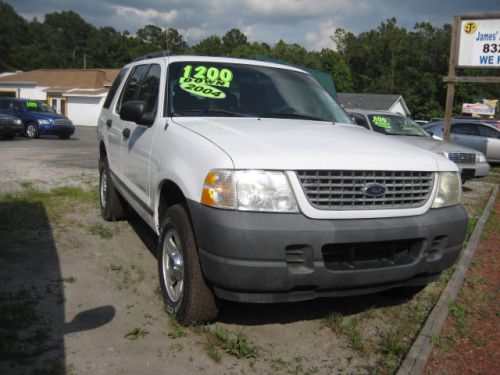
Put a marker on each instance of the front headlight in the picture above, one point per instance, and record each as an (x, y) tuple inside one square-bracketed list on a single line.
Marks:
[(249, 190), (18, 121), (449, 190), (480, 158), (43, 122)]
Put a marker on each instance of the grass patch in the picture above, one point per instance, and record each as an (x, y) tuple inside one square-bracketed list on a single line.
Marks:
[(101, 231), (177, 331), (136, 333), (219, 340), (34, 209), (351, 329)]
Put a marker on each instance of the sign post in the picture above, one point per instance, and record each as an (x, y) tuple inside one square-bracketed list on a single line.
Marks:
[(475, 43)]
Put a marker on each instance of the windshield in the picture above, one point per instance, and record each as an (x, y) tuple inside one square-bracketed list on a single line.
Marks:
[(220, 89), (38, 106), (396, 125)]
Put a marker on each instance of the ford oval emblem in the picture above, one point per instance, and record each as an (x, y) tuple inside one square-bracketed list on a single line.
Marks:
[(374, 190)]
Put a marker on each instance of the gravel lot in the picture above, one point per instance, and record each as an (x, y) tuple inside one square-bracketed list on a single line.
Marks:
[(93, 283)]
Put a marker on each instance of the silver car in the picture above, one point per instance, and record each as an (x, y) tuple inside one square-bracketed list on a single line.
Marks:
[(476, 134), (472, 163)]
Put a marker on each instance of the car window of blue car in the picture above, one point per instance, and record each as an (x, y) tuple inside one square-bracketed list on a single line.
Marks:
[(38, 106), (17, 106)]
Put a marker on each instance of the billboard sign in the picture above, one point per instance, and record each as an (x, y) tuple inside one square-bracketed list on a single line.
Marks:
[(479, 43)]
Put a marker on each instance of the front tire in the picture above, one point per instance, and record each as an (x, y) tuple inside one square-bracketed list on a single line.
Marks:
[(32, 131), (185, 293), (112, 205)]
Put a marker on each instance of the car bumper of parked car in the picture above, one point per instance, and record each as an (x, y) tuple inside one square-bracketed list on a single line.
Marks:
[(57, 130), (473, 170), (267, 257), (10, 130)]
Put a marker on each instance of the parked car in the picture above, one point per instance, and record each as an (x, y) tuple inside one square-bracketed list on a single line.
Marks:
[(38, 117), (261, 190), (10, 126), (471, 163), (421, 122), (472, 133)]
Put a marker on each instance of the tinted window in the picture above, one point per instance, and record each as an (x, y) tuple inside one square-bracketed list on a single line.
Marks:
[(197, 88), (395, 125), (4, 104), (360, 120), (486, 131), (150, 87), (132, 86), (465, 129), (17, 106), (112, 90)]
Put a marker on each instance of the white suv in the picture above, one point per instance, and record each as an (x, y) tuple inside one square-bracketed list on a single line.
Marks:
[(262, 191)]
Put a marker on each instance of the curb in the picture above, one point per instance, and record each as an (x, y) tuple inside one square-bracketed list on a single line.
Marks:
[(416, 359)]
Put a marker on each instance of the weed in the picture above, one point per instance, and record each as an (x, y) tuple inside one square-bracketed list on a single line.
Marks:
[(178, 330), (115, 267), (334, 322), (471, 224), (69, 279), (136, 333), (458, 312), (26, 185), (392, 342), (219, 338), (100, 231)]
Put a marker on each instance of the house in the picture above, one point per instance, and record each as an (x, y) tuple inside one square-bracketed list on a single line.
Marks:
[(76, 93), (381, 102)]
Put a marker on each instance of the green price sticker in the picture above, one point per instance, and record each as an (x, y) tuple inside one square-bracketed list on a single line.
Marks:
[(31, 104), (381, 122), (209, 76), (202, 89)]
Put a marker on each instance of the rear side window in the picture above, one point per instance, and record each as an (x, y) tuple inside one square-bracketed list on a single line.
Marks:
[(486, 131), (465, 129), (114, 88), (18, 106), (132, 86)]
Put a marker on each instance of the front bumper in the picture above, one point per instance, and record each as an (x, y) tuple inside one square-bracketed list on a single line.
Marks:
[(57, 129), (267, 257), (473, 170), (8, 130)]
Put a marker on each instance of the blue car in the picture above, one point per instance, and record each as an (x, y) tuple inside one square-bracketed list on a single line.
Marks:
[(38, 117)]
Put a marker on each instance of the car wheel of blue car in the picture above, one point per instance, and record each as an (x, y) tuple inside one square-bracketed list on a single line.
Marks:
[(32, 130)]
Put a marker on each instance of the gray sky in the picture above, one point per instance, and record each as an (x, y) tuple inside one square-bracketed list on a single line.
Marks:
[(307, 22)]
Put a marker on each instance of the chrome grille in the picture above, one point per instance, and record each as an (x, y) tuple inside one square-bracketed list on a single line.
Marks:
[(62, 121), (462, 157), (343, 189)]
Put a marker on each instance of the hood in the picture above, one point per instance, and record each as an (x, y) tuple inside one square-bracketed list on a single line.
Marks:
[(434, 145), (285, 144), (48, 116)]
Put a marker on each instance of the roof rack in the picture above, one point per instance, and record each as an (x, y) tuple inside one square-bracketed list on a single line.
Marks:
[(152, 55)]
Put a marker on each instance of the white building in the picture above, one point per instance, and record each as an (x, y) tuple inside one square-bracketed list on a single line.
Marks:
[(77, 93), (381, 102)]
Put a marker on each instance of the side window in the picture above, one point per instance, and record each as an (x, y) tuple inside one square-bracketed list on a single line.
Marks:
[(486, 131), (4, 104), (465, 129), (150, 87), (17, 106), (114, 88), (360, 120), (131, 88)]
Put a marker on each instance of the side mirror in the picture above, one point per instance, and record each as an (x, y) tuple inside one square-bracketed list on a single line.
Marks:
[(135, 111)]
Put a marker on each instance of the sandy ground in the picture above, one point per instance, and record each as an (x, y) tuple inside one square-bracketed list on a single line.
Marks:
[(93, 291)]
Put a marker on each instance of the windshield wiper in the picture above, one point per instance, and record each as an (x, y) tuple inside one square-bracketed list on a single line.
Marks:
[(295, 115), (213, 111)]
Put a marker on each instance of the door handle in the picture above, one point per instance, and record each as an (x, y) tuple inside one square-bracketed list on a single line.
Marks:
[(126, 133), (109, 123)]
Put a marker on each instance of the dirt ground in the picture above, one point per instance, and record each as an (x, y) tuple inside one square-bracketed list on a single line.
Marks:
[(470, 340), (80, 296)]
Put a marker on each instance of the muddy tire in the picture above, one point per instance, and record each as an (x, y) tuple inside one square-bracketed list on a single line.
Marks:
[(185, 292), (112, 204)]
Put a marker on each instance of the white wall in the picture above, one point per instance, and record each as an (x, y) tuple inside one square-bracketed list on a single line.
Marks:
[(36, 93), (83, 110), (398, 108)]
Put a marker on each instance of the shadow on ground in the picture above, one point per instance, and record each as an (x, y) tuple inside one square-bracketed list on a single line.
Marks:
[(32, 318)]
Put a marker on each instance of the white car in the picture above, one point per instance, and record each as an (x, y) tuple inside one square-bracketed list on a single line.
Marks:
[(261, 191)]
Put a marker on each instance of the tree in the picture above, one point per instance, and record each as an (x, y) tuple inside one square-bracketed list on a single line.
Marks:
[(211, 46), (13, 34), (233, 39)]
